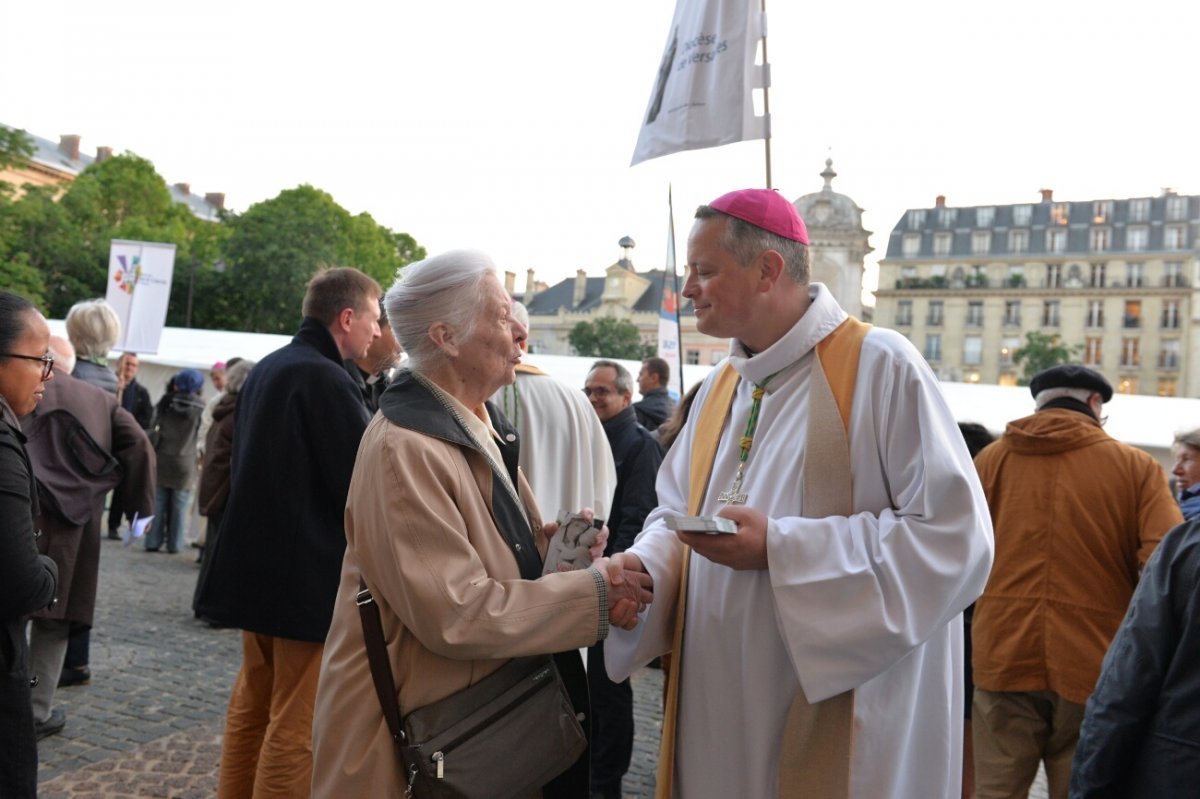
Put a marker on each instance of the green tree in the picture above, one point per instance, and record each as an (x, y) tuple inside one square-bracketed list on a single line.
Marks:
[(277, 245), (609, 338), (1041, 351), (16, 147)]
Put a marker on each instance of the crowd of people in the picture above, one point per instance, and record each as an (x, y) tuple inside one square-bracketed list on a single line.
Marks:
[(377, 531)]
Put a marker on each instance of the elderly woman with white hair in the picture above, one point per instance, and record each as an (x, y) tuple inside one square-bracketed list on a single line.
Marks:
[(93, 329), (442, 528)]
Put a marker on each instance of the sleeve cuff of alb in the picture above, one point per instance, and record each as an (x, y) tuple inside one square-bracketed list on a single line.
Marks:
[(602, 596)]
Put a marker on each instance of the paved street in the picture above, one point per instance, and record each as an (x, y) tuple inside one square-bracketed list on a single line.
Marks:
[(149, 725)]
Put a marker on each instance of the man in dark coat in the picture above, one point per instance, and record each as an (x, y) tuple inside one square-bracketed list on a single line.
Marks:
[(656, 405), (134, 398), (74, 475), (1141, 730), (276, 563), (637, 455)]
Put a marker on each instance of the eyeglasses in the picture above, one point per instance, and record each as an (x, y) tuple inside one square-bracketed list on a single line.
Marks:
[(47, 361), (600, 391)]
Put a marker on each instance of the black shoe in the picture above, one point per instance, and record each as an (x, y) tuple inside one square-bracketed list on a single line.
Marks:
[(74, 675), (52, 725), (113, 535)]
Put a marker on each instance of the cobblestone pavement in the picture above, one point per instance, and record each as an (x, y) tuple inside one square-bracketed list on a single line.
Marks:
[(150, 722)]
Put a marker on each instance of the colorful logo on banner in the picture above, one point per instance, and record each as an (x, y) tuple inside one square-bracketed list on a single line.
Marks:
[(127, 276)]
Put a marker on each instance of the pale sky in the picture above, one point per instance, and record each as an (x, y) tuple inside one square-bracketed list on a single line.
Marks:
[(510, 126)]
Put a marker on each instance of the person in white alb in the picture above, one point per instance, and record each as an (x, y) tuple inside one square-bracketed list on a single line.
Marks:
[(820, 649)]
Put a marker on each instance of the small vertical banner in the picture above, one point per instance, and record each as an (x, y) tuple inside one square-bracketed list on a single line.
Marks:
[(703, 95), (668, 309), (139, 289)]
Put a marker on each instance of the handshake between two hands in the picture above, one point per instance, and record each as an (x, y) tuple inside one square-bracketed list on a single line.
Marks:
[(630, 588)]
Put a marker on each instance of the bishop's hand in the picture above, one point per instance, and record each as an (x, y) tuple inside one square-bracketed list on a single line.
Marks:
[(746, 549)]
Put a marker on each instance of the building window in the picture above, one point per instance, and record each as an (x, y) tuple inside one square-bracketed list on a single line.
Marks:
[(1170, 315), (1016, 277), (1096, 278), (1095, 314), (1168, 354), (1167, 387), (1012, 313), (916, 220), (1054, 276), (1018, 241), (1175, 237), (935, 313), (1173, 274), (937, 273), (1139, 210), (1059, 213), (972, 350), (904, 313), (908, 276), (1102, 212), (975, 314), (1008, 379), (1022, 214), (1092, 352), (1008, 350), (984, 217), (1127, 384), (1050, 311), (1137, 238), (911, 245), (1133, 313), (978, 278), (1056, 240), (946, 216), (933, 347), (692, 357), (981, 242), (1176, 208), (1133, 275), (1101, 239), (941, 243), (1130, 352)]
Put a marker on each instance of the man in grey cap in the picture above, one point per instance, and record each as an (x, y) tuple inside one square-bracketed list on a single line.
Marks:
[(1076, 515)]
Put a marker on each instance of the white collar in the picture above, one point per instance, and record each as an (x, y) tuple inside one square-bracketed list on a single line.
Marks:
[(820, 319)]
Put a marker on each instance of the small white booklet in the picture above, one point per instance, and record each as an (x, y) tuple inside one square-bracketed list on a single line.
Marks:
[(569, 547)]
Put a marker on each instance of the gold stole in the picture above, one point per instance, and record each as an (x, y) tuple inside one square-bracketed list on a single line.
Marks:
[(816, 748)]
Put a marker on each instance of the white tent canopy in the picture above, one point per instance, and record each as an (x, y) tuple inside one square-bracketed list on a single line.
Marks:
[(1149, 423)]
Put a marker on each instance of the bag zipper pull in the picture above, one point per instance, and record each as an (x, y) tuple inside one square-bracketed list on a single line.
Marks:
[(412, 779), (439, 758)]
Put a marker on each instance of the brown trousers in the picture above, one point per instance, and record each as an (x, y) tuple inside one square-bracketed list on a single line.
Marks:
[(1014, 732), (267, 751)]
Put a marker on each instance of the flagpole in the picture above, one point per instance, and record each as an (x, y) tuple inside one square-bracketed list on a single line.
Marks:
[(766, 96), (675, 288)]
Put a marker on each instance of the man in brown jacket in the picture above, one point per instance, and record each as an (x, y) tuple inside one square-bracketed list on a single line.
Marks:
[(1076, 515)]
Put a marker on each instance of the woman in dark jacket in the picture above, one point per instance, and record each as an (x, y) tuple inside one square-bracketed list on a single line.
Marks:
[(27, 579), (176, 424)]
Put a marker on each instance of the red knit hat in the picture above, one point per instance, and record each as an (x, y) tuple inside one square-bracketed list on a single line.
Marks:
[(764, 208)]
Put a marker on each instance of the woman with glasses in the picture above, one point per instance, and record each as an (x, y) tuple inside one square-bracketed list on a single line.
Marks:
[(27, 580)]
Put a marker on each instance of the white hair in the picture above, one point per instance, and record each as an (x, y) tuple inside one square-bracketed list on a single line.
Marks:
[(63, 354), (93, 328), (1049, 394), (446, 288)]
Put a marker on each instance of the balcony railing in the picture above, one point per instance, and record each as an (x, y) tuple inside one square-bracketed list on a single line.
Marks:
[(1131, 321)]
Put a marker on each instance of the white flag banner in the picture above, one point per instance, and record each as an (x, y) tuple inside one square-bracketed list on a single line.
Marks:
[(139, 288), (704, 93)]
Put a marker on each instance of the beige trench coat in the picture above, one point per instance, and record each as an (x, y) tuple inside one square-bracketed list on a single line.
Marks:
[(453, 605)]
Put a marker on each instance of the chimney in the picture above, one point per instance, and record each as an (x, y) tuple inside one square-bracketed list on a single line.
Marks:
[(1047, 195), (103, 154), (530, 287), (940, 202), (216, 199), (68, 145), (184, 188), (580, 287), (510, 282)]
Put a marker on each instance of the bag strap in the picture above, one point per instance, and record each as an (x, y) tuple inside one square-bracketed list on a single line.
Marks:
[(381, 672)]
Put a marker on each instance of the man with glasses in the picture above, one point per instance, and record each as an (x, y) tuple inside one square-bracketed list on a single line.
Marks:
[(1076, 515), (637, 455)]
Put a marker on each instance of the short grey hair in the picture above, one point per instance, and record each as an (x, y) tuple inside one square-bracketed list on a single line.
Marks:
[(235, 376), (445, 288), (1189, 439), (745, 242), (93, 328), (63, 354), (1050, 394), (624, 381)]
